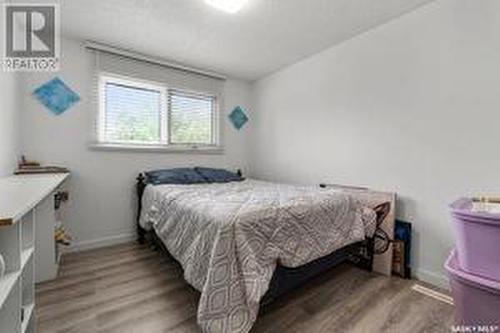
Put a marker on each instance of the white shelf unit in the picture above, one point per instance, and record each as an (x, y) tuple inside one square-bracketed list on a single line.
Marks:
[(17, 287), (24, 204), (10, 314), (46, 255)]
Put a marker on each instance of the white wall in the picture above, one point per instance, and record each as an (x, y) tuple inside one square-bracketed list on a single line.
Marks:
[(9, 122), (102, 197), (412, 106), (9, 114)]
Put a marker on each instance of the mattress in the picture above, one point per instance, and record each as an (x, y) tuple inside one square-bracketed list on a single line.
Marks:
[(230, 237)]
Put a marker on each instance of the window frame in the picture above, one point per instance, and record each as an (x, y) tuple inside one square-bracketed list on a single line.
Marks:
[(213, 121), (165, 144)]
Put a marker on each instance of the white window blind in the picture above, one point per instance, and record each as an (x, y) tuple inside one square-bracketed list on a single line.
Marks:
[(146, 105), (132, 113), (191, 118)]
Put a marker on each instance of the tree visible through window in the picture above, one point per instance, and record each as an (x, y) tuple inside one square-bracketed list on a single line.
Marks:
[(132, 114), (190, 118), (148, 114)]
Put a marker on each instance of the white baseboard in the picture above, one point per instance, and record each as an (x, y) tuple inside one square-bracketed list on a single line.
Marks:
[(436, 279), (101, 242), (432, 293)]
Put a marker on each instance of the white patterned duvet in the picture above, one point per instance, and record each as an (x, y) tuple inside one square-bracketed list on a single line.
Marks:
[(229, 237)]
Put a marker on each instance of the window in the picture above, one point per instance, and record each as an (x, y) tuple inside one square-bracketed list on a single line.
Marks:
[(137, 113), (190, 118)]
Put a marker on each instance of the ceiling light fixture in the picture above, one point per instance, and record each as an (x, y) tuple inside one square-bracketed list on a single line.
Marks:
[(228, 6)]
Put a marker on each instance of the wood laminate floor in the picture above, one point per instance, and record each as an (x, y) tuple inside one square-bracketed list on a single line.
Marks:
[(131, 288)]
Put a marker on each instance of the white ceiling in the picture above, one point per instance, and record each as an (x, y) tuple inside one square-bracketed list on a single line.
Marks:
[(263, 37)]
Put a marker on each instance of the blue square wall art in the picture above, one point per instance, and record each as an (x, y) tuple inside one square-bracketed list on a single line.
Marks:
[(56, 96), (238, 117)]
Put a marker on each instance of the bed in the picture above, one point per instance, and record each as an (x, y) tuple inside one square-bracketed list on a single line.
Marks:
[(244, 243)]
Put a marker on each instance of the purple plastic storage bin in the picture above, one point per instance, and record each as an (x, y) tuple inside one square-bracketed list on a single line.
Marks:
[(477, 239), (476, 299)]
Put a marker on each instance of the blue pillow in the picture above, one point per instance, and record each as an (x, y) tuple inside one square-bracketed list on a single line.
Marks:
[(174, 176), (218, 175)]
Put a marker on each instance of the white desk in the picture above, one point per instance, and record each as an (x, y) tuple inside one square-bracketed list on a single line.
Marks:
[(26, 210)]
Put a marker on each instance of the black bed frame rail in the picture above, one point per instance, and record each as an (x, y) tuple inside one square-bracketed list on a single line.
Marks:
[(139, 188)]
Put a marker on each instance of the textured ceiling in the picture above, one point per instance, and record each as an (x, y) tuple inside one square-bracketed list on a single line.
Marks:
[(263, 37)]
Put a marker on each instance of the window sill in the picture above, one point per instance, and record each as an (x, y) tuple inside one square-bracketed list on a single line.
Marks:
[(156, 148)]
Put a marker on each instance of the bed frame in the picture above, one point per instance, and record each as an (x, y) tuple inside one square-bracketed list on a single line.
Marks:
[(284, 279)]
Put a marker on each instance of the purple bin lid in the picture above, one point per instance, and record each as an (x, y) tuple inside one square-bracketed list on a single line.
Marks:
[(454, 269), (462, 208)]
